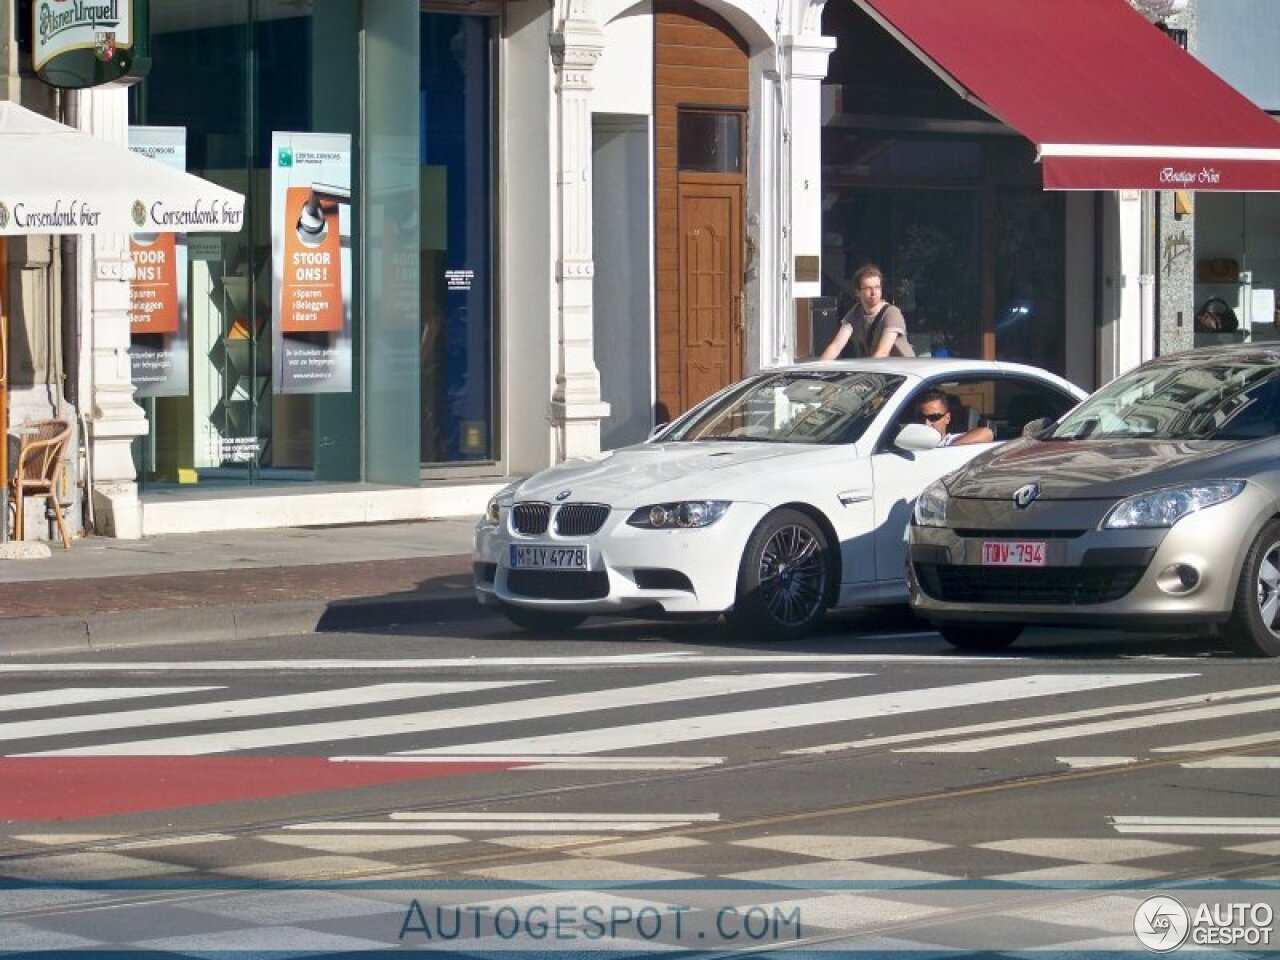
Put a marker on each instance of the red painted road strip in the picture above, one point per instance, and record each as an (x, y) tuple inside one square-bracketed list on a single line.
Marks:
[(72, 788)]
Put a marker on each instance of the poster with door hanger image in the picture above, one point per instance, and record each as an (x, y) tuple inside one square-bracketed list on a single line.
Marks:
[(311, 262)]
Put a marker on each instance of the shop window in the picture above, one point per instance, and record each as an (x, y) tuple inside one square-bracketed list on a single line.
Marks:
[(233, 393), (457, 331)]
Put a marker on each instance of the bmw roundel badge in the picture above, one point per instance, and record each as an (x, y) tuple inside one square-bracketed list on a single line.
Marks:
[(563, 495)]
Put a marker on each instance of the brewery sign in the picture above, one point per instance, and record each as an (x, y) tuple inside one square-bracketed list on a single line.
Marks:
[(86, 43)]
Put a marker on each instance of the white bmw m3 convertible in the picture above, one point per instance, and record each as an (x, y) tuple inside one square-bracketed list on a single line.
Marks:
[(780, 496)]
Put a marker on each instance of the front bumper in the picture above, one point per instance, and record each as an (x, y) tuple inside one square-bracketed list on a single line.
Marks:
[(1092, 577), (630, 570)]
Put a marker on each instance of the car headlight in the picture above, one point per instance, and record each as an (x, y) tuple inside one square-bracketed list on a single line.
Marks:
[(1164, 508), (931, 506), (681, 514), (500, 501)]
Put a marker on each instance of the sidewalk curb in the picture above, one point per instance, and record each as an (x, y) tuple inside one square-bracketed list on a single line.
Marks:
[(128, 628)]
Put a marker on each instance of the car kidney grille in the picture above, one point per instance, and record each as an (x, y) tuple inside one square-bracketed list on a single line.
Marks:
[(530, 518), (580, 519), (1074, 586), (559, 584)]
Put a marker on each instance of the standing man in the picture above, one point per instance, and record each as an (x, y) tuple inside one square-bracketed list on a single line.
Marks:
[(873, 327)]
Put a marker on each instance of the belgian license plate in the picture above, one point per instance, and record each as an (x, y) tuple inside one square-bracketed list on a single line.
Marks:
[(543, 557), (1013, 553)]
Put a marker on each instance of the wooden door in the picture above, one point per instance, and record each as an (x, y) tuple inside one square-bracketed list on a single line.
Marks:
[(701, 97), (710, 271)]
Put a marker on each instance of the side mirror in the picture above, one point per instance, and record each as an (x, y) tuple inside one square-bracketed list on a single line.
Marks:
[(917, 436), (1037, 426), (658, 429)]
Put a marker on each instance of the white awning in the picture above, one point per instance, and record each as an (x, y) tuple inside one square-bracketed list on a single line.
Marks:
[(56, 179)]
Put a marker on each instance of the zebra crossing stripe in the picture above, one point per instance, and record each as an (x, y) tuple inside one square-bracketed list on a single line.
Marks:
[(982, 744), (444, 719), (1144, 707), (233, 709), (553, 762), (69, 696), (897, 703)]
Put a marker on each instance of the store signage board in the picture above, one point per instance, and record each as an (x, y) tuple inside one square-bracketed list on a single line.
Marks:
[(87, 43)]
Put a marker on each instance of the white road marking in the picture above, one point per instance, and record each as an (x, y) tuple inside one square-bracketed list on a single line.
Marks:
[(670, 658), (434, 720), (1093, 729), (545, 762), (437, 816), (620, 660), (66, 696), (1145, 708), (1235, 763), (471, 822), (897, 703), (234, 709), (1260, 826), (1230, 743), (1089, 763)]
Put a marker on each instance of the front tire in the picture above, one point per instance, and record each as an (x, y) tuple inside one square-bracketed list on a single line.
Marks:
[(544, 623), (784, 579), (979, 636), (1254, 627)]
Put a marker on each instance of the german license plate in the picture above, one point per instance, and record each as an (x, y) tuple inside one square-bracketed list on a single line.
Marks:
[(544, 557), (1013, 553)]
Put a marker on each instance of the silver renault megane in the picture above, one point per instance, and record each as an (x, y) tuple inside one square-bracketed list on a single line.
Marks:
[(1154, 504)]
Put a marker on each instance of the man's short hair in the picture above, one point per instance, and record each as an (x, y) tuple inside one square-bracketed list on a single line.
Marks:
[(931, 395), (866, 270)]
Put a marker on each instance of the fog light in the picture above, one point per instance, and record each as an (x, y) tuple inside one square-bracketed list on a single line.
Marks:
[(1178, 579)]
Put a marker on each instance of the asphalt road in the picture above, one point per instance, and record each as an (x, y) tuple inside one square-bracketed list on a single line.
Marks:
[(868, 789)]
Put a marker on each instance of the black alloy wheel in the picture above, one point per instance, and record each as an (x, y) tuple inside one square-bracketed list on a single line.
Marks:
[(784, 579)]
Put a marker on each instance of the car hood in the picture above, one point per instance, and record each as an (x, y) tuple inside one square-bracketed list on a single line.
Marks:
[(653, 472), (1100, 469)]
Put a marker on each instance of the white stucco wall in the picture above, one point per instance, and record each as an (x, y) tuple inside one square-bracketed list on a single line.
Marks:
[(623, 78), (528, 333)]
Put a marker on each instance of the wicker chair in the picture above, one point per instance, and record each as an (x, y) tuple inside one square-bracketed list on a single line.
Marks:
[(38, 472)]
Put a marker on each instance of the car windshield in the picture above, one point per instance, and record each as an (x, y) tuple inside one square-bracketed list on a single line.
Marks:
[(1236, 398), (820, 406)]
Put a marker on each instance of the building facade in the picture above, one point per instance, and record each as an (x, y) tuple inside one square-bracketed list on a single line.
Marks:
[(483, 238)]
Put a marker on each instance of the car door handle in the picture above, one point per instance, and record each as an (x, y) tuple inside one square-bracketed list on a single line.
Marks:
[(849, 497)]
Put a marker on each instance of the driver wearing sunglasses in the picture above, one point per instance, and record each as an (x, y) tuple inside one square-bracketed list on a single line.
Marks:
[(935, 410)]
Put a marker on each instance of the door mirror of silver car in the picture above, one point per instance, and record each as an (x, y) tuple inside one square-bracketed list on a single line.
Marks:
[(917, 436), (658, 429)]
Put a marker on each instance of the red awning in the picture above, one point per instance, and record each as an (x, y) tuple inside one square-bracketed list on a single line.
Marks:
[(1110, 102)]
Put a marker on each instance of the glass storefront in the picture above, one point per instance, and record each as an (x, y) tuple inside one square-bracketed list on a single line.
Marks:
[(360, 291), (457, 343), (944, 199)]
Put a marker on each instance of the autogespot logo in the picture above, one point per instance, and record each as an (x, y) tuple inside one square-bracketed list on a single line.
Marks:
[(1161, 924)]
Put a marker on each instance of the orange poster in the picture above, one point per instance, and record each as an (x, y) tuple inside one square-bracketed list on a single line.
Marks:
[(153, 296), (311, 291)]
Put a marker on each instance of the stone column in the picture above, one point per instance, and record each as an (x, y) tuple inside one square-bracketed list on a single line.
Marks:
[(576, 407), (115, 419)]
